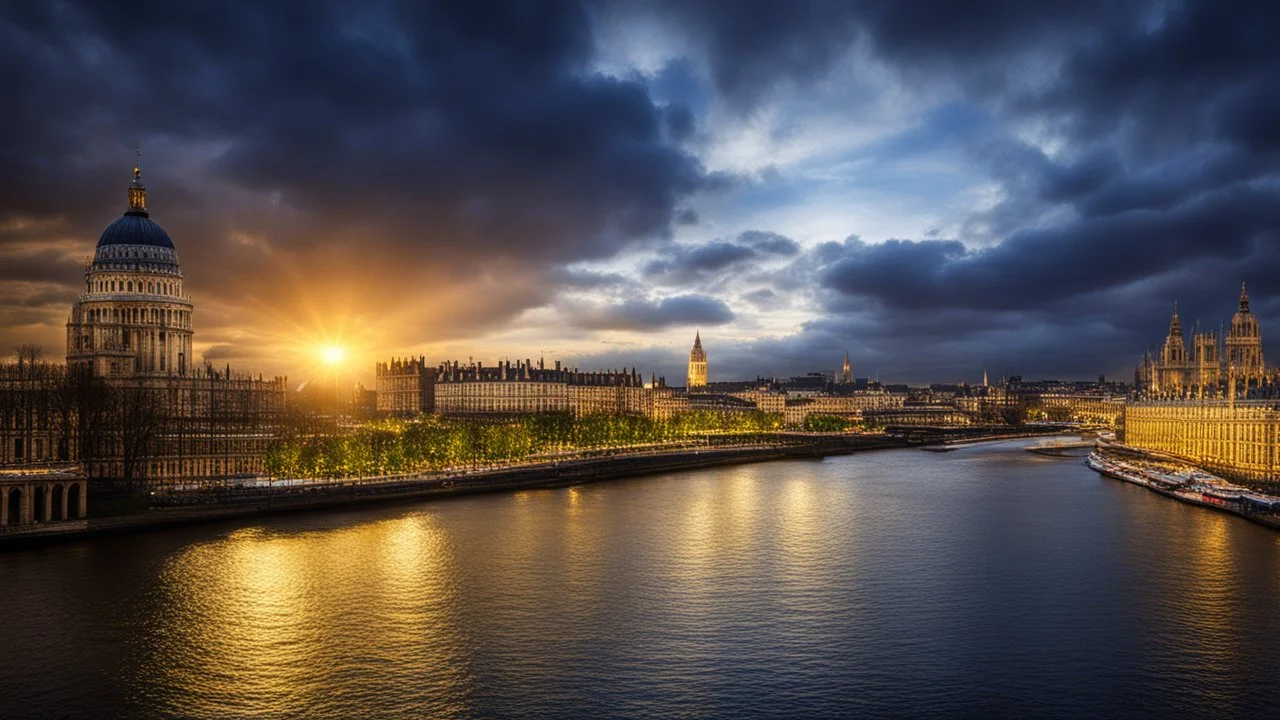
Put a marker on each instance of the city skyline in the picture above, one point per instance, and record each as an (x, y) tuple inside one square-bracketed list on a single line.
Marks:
[(1035, 225)]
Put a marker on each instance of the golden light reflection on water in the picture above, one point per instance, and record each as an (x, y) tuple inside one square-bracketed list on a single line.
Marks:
[(1210, 598), (801, 528), (256, 624)]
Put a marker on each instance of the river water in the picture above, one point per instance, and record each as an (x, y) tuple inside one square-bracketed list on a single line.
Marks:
[(984, 582)]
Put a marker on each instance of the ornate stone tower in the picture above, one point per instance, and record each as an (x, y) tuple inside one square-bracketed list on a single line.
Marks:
[(1244, 345), (846, 371), (1206, 362), (1173, 367), (133, 318), (697, 365)]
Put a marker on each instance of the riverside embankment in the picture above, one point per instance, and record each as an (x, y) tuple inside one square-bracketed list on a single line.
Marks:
[(243, 502)]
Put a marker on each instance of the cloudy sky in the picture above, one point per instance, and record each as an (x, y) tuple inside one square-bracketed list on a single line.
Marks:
[(935, 187)]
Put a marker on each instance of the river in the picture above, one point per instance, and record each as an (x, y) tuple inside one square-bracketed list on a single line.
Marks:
[(983, 582)]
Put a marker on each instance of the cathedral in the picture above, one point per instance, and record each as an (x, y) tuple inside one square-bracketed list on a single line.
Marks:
[(131, 328), (1211, 364), (133, 318)]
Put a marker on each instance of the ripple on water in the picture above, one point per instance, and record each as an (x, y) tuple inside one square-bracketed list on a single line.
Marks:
[(984, 581)]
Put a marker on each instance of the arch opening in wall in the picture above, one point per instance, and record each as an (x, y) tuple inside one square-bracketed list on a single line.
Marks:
[(57, 504), (37, 505), (15, 506), (73, 501)]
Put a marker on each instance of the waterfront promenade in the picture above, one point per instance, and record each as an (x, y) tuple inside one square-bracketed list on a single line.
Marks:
[(170, 507)]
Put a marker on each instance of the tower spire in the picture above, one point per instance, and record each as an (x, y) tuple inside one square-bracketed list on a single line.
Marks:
[(137, 192), (1244, 298)]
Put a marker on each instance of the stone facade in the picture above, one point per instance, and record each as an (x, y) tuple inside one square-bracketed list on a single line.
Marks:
[(697, 380), (1237, 439), (29, 497), (405, 386), (133, 318), (130, 404), (522, 388), (1214, 366)]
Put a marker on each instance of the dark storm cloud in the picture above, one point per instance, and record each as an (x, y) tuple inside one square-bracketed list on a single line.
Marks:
[(683, 265), (1165, 119), (454, 158), (396, 140), (753, 44), (1039, 267), (650, 314)]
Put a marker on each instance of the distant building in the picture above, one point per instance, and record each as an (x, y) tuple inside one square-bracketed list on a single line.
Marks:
[(523, 388), (697, 366), (852, 406), (405, 386), (846, 371), (918, 416)]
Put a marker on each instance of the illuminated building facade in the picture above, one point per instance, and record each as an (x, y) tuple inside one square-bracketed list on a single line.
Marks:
[(405, 386), (507, 389), (133, 318), (1095, 409), (1244, 345), (697, 365), (1214, 366), (850, 406), (129, 404), (1234, 439)]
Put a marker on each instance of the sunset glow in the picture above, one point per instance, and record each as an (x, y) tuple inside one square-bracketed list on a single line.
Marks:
[(333, 354)]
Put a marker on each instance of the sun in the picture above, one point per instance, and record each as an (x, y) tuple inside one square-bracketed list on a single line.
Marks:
[(333, 354)]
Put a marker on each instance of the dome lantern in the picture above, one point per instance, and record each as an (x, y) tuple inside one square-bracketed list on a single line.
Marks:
[(137, 192)]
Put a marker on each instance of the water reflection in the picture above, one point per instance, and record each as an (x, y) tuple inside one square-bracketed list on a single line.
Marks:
[(900, 583), (260, 624)]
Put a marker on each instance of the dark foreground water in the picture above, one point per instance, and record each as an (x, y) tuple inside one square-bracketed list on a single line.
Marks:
[(987, 582)]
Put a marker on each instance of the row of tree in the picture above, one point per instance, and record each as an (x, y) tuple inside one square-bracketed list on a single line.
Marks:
[(432, 443)]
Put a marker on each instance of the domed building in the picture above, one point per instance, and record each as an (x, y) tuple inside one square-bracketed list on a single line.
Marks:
[(133, 318), (132, 328)]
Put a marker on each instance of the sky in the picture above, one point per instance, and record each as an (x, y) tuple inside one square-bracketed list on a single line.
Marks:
[(935, 187)]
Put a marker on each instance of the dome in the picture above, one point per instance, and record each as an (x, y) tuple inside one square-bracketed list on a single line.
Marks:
[(135, 229)]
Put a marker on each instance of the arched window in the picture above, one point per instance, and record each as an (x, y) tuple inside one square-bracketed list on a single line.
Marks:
[(151, 287), (130, 286)]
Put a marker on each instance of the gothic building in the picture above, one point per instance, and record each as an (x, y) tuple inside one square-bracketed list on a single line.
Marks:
[(1244, 345), (697, 365), (846, 372), (1212, 363)]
